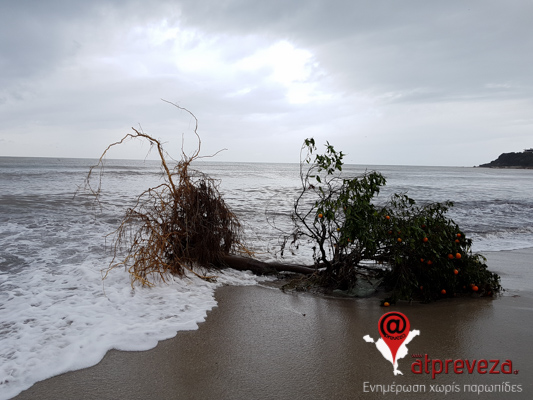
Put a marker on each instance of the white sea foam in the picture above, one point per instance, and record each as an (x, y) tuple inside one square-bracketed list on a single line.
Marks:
[(502, 240), (53, 323)]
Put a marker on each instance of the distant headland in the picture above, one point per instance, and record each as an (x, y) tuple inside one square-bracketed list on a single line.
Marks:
[(512, 160)]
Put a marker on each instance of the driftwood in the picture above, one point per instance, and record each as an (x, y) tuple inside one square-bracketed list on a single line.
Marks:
[(263, 268)]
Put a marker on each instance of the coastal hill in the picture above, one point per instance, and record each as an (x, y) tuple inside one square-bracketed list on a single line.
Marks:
[(512, 160)]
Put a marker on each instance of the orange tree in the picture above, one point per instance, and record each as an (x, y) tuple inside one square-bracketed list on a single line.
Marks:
[(429, 255), (424, 254)]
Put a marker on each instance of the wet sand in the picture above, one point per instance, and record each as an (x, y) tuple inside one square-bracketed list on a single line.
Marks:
[(260, 343)]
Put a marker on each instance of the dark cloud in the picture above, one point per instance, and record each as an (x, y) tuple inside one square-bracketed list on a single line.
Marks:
[(38, 36), (450, 48), (34, 36)]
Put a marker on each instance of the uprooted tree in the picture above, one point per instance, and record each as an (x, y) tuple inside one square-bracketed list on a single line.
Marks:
[(183, 224), (419, 253)]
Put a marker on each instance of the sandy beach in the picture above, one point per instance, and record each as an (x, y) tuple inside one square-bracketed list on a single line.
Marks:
[(260, 343)]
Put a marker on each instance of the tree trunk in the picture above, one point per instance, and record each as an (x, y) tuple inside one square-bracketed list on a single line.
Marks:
[(264, 268)]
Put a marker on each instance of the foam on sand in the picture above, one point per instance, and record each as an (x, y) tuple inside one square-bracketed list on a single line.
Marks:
[(54, 323)]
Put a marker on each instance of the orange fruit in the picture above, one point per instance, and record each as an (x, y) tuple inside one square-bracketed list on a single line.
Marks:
[(320, 215), (399, 240), (457, 241), (426, 240), (388, 217), (458, 235), (455, 271), (430, 262), (421, 260), (450, 256), (386, 304), (421, 287), (390, 232), (443, 291), (458, 255), (475, 288)]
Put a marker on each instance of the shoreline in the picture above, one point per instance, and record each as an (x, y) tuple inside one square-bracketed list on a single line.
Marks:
[(261, 343), (514, 268)]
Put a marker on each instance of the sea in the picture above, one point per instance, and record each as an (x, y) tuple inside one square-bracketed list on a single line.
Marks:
[(57, 314)]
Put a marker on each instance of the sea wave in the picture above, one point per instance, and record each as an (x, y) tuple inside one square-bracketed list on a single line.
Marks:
[(67, 319)]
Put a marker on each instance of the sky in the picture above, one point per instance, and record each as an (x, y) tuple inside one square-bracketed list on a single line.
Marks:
[(388, 82)]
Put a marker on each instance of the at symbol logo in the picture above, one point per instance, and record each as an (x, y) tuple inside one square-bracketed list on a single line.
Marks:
[(393, 324), (393, 328)]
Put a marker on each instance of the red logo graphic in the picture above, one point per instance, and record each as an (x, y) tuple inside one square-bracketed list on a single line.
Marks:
[(393, 328)]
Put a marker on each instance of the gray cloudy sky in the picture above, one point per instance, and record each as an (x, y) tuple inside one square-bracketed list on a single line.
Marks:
[(413, 82)]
